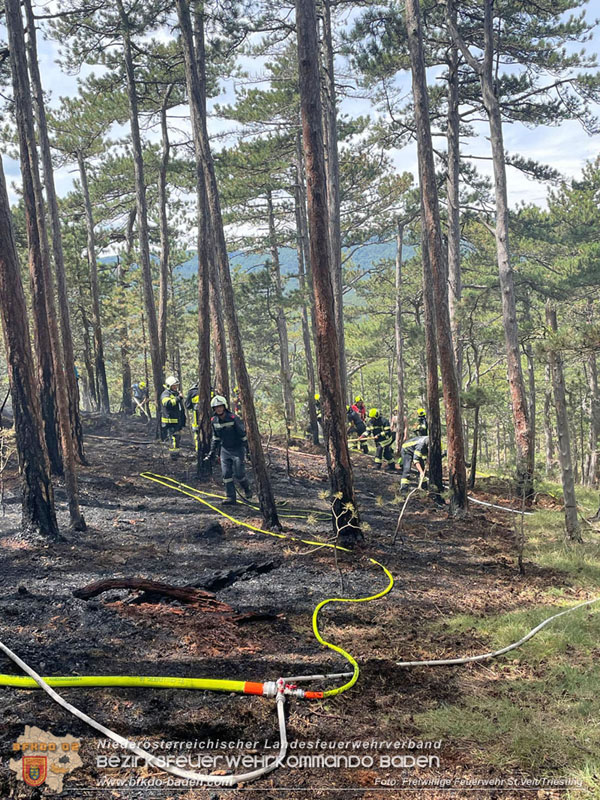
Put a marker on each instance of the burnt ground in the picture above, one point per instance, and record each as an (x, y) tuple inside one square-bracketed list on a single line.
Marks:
[(140, 529)]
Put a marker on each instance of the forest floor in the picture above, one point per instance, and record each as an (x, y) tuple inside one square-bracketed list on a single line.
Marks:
[(493, 729)]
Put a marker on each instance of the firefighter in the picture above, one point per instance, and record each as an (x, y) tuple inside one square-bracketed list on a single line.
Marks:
[(379, 427), (422, 428), (141, 398), (172, 420), (319, 411), (414, 451), (191, 401), (229, 432), (359, 407), (356, 428)]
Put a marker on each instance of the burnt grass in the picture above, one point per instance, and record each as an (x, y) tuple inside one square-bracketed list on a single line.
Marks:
[(140, 529)]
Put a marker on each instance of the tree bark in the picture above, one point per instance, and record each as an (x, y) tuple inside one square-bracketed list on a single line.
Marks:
[(330, 142), (436, 482), (431, 220), (562, 429), (222, 383), (398, 335), (142, 209), (485, 71), (37, 494), (94, 289), (126, 398), (39, 249), (548, 435), (593, 465), (453, 185), (284, 356), (306, 338), (57, 247), (345, 510), (263, 483), (163, 284)]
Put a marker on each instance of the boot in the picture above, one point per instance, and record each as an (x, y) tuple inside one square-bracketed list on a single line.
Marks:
[(247, 491), (228, 502)]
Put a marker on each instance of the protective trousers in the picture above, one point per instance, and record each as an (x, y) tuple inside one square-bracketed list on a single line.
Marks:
[(384, 453), (232, 464), (171, 433)]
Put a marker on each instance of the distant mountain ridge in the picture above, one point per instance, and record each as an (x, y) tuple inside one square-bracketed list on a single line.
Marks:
[(363, 258)]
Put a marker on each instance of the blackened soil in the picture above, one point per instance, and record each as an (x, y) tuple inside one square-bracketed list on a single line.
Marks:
[(137, 528)]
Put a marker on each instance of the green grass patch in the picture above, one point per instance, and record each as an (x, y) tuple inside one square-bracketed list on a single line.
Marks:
[(535, 710)]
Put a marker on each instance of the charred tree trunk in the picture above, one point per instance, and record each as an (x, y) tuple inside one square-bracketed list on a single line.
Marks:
[(431, 221), (38, 497), (284, 356), (163, 284), (57, 248), (142, 209), (87, 351), (306, 338), (398, 334), (452, 184), (562, 429), (94, 289), (39, 249), (263, 483), (330, 142), (345, 510)]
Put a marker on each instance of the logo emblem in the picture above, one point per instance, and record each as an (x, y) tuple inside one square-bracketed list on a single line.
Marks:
[(35, 769)]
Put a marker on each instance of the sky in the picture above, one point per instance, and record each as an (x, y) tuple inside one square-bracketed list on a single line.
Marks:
[(565, 147)]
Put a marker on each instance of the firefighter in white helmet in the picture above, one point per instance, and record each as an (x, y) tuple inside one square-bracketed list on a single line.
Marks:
[(228, 431), (172, 419)]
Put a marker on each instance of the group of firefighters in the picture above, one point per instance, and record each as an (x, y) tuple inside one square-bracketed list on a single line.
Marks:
[(229, 434)]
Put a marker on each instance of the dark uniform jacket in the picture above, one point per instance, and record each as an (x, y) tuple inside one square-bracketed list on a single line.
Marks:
[(191, 401), (418, 447), (355, 419), (229, 432), (172, 410), (380, 428)]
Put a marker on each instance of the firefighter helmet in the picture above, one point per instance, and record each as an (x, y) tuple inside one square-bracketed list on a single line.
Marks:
[(218, 400), (317, 397), (374, 412), (172, 381), (421, 412), (142, 384), (358, 399)]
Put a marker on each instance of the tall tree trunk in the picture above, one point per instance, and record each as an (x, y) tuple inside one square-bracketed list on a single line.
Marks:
[(163, 284), (197, 100), (485, 71), (142, 210), (284, 355), (87, 349), (436, 481), (126, 399), (306, 238), (548, 435), (532, 398), (94, 288), (198, 103), (38, 513), (593, 466), (39, 248), (474, 450), (562, 429), (57, 248), (398, 334), (306, 338), (345, 510), (431, 220), (453, 185), (219, 340), (330, 143)]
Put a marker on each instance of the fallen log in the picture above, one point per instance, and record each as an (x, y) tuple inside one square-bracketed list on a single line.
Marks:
[(185, 594)]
